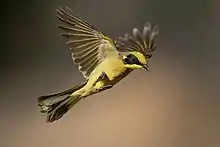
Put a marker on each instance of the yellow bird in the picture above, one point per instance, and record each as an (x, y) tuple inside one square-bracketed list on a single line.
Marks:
[(102, 60)]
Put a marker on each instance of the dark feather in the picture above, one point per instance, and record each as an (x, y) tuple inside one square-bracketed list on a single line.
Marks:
[(141, 42), (84, 40)]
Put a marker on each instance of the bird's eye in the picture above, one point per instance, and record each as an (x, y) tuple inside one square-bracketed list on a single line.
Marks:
[(131, 59)]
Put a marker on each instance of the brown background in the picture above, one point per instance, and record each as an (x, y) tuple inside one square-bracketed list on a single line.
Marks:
[(176, 104)]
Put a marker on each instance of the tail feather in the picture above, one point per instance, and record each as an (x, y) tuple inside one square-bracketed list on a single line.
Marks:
[(58, 109), (63, 93), (56, 105)]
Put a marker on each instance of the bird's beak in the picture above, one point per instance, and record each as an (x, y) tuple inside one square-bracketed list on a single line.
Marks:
[(146, 67)]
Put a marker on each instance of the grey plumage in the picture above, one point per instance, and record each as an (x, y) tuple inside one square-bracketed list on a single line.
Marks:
[(142, 42)]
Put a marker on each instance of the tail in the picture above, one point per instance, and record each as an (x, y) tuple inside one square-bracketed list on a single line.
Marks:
[(56, 105)]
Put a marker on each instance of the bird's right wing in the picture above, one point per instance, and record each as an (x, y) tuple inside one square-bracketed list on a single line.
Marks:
[(140, 41), (89, 46)]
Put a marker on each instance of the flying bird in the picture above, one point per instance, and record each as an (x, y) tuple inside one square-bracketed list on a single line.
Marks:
[(103, 61)]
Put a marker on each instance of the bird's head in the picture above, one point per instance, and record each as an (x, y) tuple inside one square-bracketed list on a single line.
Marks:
[(135, 60), (139, 46)]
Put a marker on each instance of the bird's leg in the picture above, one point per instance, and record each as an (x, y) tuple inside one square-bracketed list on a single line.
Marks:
[(102, 77)]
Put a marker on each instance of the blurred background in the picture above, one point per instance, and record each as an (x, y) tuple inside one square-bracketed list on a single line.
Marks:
[(176, 104)]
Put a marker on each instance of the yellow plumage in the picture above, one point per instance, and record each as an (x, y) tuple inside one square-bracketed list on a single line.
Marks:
[(102, 61)]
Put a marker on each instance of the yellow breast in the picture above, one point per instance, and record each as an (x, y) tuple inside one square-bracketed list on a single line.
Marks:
[(113, 67)]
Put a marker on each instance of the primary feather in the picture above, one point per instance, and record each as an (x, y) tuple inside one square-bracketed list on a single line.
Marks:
[(139, 42), (85, 41), (96, 55)]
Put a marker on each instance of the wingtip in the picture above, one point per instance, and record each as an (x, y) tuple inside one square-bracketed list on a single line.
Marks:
[(147, 24), (156, 29), (64, 8), (58, 9)]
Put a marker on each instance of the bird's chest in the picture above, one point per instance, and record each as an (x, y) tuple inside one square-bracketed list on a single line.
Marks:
[(114, 68)]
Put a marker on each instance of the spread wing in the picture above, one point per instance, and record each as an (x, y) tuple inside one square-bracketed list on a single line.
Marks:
[(89, 46), (140, 42)]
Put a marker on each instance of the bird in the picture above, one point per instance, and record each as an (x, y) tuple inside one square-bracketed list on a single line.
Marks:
[(103, 61)]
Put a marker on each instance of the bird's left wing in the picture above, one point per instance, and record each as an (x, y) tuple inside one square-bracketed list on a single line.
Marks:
[(89, 46)]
